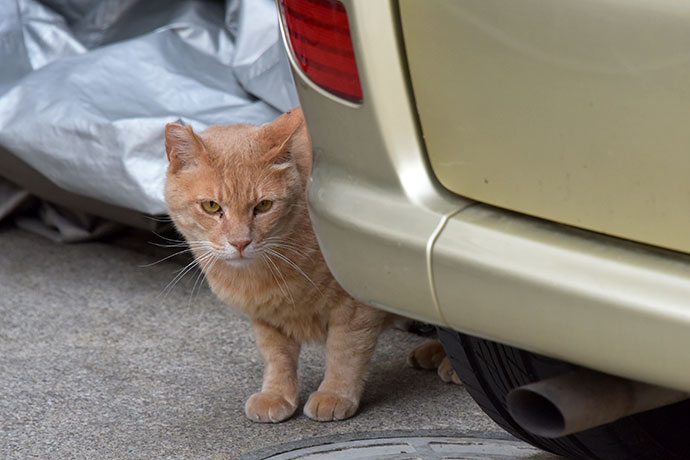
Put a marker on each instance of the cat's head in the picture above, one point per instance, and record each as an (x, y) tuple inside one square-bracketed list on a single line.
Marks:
[(232, 190)]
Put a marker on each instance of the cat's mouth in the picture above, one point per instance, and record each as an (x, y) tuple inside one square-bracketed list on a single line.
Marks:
[(236, 259), (243, 262), (240, 260)]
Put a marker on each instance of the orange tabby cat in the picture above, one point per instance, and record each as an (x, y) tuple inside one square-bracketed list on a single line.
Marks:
[(237, 193)]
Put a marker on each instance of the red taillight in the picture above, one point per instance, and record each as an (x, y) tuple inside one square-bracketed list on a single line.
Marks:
[(320, 38)]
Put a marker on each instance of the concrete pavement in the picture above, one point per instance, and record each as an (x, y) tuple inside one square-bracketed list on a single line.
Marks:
[(96, 363)]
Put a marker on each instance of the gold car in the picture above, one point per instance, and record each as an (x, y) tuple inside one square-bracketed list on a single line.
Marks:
[(518, 171)]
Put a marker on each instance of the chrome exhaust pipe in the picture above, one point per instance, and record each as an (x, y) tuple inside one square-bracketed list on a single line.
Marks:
[(581, 400)]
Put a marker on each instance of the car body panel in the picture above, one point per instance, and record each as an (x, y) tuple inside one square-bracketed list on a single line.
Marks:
[(611, 305), (395, 238), (576, 112)]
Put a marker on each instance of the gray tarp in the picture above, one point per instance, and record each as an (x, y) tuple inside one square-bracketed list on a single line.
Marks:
[(87, 86)]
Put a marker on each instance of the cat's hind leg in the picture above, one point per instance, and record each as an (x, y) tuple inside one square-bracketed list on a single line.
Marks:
[(431, 355), (277, 399)]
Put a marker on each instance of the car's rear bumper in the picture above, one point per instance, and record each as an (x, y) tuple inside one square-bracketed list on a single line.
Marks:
[(395, 238)]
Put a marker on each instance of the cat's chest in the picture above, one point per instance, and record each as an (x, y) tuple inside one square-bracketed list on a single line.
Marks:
[(297, 308), (305, 322)]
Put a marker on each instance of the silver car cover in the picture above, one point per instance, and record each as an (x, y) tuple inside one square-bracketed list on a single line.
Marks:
[(87, 86)]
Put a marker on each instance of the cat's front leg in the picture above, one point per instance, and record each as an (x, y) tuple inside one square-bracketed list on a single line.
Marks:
[(349, 346), (277, 399)]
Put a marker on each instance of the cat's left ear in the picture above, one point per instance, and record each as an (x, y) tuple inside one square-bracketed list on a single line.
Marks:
[(181, 145), (287, 136)]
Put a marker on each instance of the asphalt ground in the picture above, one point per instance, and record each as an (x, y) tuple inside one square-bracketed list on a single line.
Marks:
[(99, 360)]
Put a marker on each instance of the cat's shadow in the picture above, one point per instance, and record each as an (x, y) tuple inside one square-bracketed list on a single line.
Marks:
[(395, 385), (391, 383)]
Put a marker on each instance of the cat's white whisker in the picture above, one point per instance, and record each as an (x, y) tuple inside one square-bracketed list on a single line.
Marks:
[(168, 239), (204, 268), (164, 219), (285, 243), (285, 240), (166, 258), (182, 272), (285, 283), (176, 245), (200, 268), (282, 277), (287, 260), (202, 261), (265, 261), (286, 247), (193, 244)]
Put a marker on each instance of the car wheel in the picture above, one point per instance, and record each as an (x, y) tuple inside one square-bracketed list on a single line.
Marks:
[(490, 370)]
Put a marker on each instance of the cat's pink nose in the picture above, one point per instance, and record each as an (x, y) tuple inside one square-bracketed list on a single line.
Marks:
[(240, 244)]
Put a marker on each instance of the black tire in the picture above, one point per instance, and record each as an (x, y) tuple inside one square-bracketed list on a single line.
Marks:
[(490, 370)]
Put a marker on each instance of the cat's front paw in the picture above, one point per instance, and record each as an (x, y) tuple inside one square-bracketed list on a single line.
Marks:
[(268, 408), (326, 407)]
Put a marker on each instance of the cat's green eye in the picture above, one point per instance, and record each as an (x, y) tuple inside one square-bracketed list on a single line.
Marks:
[(210, 206), (263, 206)]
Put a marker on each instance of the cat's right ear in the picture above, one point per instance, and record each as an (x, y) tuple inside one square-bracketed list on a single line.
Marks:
[(181, 145)]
